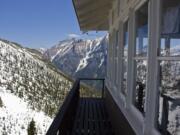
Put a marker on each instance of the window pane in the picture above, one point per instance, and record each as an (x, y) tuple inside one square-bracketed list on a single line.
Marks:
[(170, 47), (125, 55), (170, 78), (142, 31), (170, 28), (124, 88), (140, 84), (126, 38), (170, 86), (141, 51)]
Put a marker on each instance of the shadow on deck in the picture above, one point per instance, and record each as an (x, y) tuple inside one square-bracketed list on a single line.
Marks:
[(91, 118), (82, 115)]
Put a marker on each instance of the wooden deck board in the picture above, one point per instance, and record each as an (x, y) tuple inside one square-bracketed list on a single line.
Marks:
[(91, 118)]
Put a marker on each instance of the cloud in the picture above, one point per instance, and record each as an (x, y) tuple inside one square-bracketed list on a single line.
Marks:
[(73, 36)]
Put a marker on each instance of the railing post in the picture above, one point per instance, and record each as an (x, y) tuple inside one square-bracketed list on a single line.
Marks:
[(165, 113)]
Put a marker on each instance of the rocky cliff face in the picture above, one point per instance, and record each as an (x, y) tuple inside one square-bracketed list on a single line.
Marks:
[(80, 58)]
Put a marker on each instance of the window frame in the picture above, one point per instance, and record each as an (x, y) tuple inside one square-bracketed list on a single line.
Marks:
[(109, 57), (125, 22), (160, 59), (116, 57), (137, 58)]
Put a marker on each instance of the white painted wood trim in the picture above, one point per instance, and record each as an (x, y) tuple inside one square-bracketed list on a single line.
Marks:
[(172, 58), (141, 125), (152, 73)]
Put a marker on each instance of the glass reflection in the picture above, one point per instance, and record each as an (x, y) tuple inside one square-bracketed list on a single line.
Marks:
[(142, 41), (170, 47), (124, 89), (142, 31), (125, 55), (141, 73), (170, 86)]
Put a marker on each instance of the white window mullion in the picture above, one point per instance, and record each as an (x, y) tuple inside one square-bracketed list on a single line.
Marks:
[(116, 57), (113, 58), (108, 59), (111, 68), (130, 72), (152, 74), (120, 55)]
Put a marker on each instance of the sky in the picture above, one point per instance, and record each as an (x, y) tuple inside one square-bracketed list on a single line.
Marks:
[(39, 23)]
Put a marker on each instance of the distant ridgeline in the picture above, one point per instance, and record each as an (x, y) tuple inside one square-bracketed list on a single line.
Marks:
[(27, 75)]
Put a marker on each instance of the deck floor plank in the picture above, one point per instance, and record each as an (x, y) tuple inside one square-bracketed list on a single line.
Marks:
[(96, 118), (91, 118)]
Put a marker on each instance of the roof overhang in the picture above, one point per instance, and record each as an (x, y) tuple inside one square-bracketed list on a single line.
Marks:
[(93, 14)]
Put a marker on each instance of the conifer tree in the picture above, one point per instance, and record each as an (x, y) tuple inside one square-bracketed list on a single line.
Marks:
[(31, 128), (1, 103)]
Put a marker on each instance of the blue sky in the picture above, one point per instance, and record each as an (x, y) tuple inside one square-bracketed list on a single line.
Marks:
[(39, 23)]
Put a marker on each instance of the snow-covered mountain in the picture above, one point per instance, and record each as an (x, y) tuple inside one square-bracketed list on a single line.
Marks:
[(80, 58), (30, 88), (42, 50)]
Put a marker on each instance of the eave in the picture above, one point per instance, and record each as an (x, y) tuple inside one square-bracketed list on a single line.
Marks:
[(93, 15)]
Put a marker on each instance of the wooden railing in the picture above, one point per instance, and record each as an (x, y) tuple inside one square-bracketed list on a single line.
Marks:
[(165, 112), (63, 122)]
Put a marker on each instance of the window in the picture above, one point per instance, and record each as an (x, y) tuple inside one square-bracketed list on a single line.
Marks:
[(125, 56), (169, 68), (140, 58)]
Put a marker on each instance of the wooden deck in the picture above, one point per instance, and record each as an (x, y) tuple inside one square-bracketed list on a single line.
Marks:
[(91, 118), (80, 115)]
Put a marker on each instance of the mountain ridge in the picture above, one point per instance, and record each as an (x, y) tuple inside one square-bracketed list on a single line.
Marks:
[(33, 83), (80, 57)]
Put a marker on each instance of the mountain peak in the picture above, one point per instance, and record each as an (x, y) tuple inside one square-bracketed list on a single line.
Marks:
[(80, 57)]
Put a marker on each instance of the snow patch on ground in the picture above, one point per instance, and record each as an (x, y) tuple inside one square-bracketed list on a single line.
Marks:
[(83, 63), (15, 115)]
